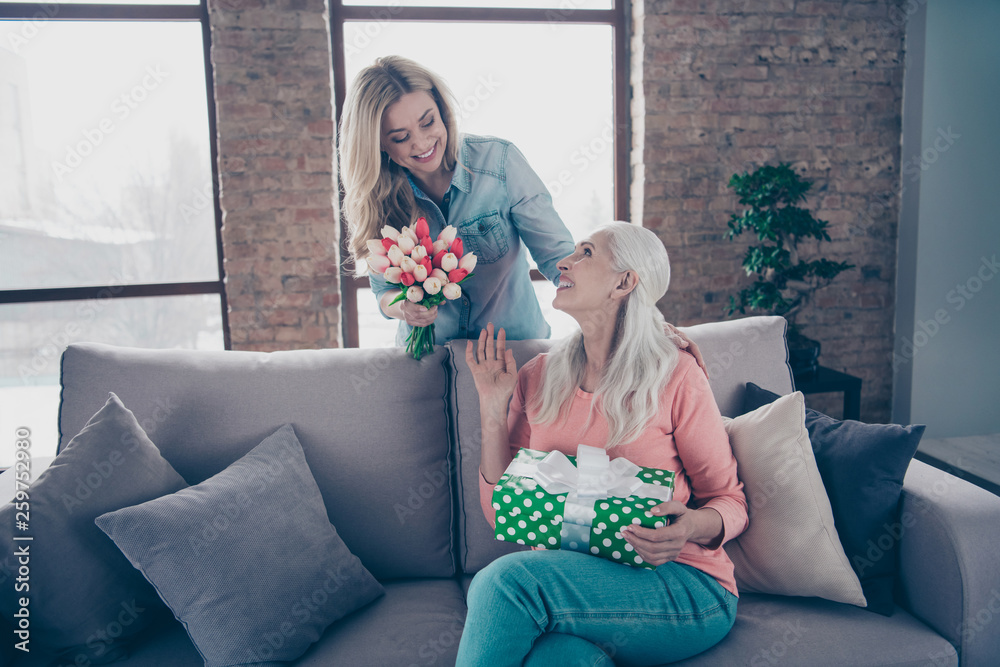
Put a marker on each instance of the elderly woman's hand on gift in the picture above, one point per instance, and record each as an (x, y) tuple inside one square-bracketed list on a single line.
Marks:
[(684, 524)]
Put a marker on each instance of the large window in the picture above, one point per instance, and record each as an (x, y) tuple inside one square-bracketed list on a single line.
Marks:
[(546, 74), (108, 218)]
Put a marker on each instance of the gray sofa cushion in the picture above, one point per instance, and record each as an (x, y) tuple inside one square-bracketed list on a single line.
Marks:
[(86, 602), (372, 424), (775, 630), (736, 352), (264, 572), (751, 349), (416, 622)]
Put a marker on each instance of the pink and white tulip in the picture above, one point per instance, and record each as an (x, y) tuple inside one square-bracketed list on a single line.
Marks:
[(390, 233), (418, 253), (468, 262), (433, 285), (449, 262), (395, 255), (439, 245), (452, 291), (440, 275), (448, 234), (407, 264), (411, 234), (414, 294), (375, 247), (378, 263), (420, 273), (393, 274), (406, 244)]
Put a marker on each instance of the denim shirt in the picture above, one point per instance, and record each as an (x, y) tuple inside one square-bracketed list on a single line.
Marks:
[(502, 210)]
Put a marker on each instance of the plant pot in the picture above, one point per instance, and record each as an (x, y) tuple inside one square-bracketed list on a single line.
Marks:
[(803, 356)]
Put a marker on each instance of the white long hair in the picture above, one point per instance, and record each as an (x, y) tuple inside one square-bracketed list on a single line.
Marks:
[(643, 356)]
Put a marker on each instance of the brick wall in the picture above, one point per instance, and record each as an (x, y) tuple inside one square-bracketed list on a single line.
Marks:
[(273, 85), (718, 86), (724, 85)]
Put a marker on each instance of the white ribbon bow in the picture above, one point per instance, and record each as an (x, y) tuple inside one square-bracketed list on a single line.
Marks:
[(593, 476)]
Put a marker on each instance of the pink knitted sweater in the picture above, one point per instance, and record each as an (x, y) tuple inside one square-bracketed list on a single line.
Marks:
[(687, 437)]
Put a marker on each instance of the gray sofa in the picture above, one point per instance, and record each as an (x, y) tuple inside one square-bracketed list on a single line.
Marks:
[(409, 508)]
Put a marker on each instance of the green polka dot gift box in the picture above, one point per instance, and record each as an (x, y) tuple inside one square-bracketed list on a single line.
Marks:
[(553, 501)]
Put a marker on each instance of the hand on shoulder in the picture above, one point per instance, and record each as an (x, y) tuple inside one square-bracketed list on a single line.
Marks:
[(685, 344)]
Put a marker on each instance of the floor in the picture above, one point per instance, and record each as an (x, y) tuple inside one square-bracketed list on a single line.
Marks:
[(974, 458)]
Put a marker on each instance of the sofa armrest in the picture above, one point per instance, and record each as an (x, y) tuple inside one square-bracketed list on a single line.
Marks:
[(948, 551)]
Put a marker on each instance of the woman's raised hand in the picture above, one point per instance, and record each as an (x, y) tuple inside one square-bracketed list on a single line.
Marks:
[(493, 368)]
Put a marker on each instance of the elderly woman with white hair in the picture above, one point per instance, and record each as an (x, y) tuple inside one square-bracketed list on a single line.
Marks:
[(619, 383)]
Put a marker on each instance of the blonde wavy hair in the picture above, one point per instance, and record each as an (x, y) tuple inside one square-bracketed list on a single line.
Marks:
[(376, 191), (643, 356)]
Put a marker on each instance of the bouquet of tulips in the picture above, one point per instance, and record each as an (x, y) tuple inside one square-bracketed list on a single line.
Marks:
[(428, 272)]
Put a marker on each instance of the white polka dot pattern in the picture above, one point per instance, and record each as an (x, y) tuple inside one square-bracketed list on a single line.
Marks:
[(527, 514)]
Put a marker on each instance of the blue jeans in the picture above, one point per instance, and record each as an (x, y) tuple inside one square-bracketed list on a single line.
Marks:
[(567, 608)]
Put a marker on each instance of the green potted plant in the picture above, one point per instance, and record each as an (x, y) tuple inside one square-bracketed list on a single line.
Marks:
[(784, 281)]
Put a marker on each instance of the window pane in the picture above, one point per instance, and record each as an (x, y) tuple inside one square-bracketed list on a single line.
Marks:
[(561, 323), (562, 9), (556, 109), (108, 179), (374, 330), (33, 337)]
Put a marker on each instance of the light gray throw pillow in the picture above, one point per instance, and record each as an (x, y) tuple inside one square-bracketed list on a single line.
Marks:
[(247, 560), (86, 603)]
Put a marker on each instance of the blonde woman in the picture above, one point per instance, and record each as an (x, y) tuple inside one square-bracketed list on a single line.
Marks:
[(618, 383), (402, 157)]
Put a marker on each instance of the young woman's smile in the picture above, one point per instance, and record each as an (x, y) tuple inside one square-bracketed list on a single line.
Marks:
[(413, 135)]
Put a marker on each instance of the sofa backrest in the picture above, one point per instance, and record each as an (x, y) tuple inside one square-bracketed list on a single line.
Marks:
[(373, 425), (393, 443), (751, 349)]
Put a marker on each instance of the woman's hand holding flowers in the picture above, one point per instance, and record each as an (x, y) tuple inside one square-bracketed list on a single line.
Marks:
[(427, 273), (416, 315)]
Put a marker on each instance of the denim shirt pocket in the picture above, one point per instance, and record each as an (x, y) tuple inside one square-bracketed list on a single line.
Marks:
[(485, 236)]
